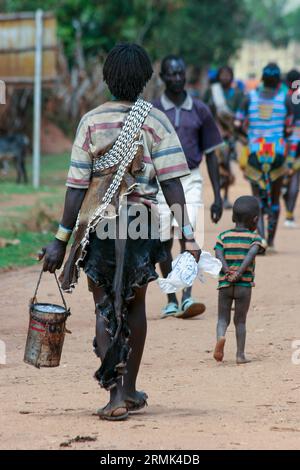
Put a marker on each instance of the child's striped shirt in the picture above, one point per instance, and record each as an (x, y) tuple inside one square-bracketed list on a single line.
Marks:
[(235, 244)]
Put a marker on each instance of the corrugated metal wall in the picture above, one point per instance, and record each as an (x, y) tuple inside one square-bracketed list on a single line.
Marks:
[(17, 46)]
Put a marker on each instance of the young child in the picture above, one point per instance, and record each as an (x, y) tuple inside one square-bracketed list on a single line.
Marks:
[(236, 249)]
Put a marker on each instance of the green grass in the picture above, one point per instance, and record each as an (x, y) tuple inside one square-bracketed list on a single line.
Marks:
[(13, 217), (20, 209), (25, 253), (55, 198), (53, 175)]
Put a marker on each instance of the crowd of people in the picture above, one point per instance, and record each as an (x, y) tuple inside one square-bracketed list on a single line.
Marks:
[(132, 157), (265, 121)]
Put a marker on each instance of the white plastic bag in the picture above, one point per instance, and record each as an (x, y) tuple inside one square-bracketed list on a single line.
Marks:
[(185, 270), (208, 264)]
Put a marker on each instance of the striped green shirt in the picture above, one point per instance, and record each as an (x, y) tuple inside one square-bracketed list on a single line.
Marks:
[(235, 244)]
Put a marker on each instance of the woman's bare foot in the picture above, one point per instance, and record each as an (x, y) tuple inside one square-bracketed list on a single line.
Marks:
[(242, 359), (219, 349)]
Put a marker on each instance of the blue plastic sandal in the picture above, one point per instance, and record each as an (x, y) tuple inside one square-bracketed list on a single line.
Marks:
[(190, 308), (170, 310)]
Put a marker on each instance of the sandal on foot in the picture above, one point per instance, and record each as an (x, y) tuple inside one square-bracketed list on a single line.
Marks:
[(137, 404), (112, 413), (190, 308), (170, 310)]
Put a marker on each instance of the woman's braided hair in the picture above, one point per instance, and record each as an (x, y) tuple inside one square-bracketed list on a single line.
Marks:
[(126, 71)]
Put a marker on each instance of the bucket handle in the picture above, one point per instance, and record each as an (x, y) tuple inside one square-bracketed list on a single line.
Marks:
[(34, 299)]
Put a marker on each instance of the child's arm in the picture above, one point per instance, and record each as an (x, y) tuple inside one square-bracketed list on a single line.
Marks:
[(236, 275), (220, 256)]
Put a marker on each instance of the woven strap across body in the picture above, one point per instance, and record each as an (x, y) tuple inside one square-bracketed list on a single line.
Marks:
[(122, 152), (120, 156)]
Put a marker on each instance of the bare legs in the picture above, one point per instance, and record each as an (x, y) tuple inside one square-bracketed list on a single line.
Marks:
[(166, 267), (261, 224), (274, 212), (242, 296), (126, 387), (291, 196), (242, 304), (138, 326), (226, 202), (187, 292)]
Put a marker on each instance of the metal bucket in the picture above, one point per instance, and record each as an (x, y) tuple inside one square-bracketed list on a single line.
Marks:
[(46, 332)]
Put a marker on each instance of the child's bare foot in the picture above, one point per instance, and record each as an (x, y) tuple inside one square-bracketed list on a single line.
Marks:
[(219, 349), (242, 359)]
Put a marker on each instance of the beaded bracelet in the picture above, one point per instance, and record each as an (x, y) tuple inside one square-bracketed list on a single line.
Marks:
[(63, 234)]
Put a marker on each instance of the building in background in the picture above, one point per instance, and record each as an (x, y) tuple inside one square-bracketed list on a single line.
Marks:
[(253, 56)]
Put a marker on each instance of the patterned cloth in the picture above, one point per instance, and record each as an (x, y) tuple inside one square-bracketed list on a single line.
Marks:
[(235, 244), (268, 113), (293, 154), (98, 129), (195, 126)]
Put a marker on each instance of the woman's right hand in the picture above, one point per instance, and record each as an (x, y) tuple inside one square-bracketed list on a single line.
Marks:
[(192, 247), (53, 255)]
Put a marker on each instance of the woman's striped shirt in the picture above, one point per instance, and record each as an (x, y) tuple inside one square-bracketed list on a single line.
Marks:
[(163, 155)]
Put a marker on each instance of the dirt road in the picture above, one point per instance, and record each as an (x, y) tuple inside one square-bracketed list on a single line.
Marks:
[(194, 403)]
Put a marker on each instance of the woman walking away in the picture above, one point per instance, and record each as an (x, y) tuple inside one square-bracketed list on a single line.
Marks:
[(121, 151)]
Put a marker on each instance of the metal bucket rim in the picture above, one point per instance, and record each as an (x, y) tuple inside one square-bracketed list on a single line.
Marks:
[(33, 307)]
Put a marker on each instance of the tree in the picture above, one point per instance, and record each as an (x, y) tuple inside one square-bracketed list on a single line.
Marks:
[(268, 21), (292, 21), (202, 31), (102, 23)]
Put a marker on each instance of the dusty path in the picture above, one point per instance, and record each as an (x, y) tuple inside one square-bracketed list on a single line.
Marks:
[(194, 403)]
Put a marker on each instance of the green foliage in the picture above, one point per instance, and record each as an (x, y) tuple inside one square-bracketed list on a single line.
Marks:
[(201, 30), (102, 23), (53, 173), (25, 253), (268, 21), (204, 32), (31, 215), (292, 21)]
